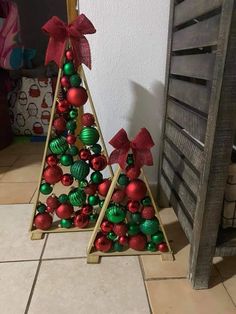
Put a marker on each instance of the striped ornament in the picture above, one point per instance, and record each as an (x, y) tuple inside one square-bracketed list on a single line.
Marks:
[(58, 145), (79, 170), (77, 197), (89, 136)]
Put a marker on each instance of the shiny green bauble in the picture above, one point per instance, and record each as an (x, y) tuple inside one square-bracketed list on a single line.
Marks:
[(118, 247), (149, 226), (158, 237), (112, 236), (66, 160), (77, 197), (58, 145), (83, 184), (63, 198), (79, 170), (73, 150), (151, 247), (89, 135), (93, 217), (96, 149), (115, 214), (66, 223), (130, 160), (101, 203), (75, 80), (45, 188), (73, 113), (69, 68), (71, 125), (146, 201), (123, 180), (41, 208), (93, 200), (136, 218), (96, 177), (133, 229)]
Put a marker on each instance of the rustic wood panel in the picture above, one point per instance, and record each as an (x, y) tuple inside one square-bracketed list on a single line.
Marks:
[(194, 95), (189, 120), (197, 65), (190, 9), (201, 34)]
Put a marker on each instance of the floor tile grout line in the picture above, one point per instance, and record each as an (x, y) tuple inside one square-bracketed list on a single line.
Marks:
[(145, 287), (43, 259), (165, 278)]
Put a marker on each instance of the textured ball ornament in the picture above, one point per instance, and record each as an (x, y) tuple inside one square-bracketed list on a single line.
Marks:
[(81, 221), (106, 226), (151, 247), (52, 201), (132, 172), (64, 211), (63, 198), (136, 190), (71, 125), (77, 197), (104, 187), (52, 175), (58, 145), (67, 179), (84, 154), (77, 96), (79, 170), (66, 160), (138, 242), (103, 244), (89, 136), (158, 237), (150, 226), (90, 189), (52, 160), (43, 221), (96, 177), (96, 149), (123, 240), (73, 150), (71, 139), (73, 113), (69, 68), (93, 200), (87, 119), (65, 82), (75, 80), (120, 229), (118, 196), (59, 124), (98, 162), (69, 55), (87, 209), (123, 180), (45, 188), (148, 212), (63, 106), (66, 223), (115, 214), (133, 206), (162, 247), (41, 208)]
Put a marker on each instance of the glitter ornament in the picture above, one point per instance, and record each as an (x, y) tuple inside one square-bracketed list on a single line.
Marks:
[(138, 242), (43, 221), (87, 119)]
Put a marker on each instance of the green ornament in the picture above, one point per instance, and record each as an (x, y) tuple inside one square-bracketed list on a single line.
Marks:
[(77, 197), (151, 247), (89, 135), (93, 200), (158, 237), (136, 218), (58, 145), (115, 213), (149, 226), (123, 179), (66, 160), (96, 148), (41, 208), (45, 188), (112, 236), (79, 170), (101, 202), (146, 201), (83, 184), (96, 177), (130, 160), (66, 223), (73, 150), (93, 217), (69, 68), (75, 80), (118, 247), (133, 229), (63, 198), (73, 113), (71, 125)]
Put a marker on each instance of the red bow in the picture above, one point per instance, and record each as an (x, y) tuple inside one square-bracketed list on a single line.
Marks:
[(60, 33), (140, 147)]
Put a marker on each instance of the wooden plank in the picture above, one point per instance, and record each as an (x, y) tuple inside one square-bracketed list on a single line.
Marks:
[(199, 66), (194, 95), (190, 149), (180, 166), (192, 122), (201, 34), (191, 9)]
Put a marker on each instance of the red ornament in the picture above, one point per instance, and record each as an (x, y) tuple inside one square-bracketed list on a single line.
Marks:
[(90, 189), (123, 240), (59, 124), (87, 119), (69, 55), (52, 202), (103, 244), (162, 247), (63, 106), (148, 212), (138, 242), (43, 221), (77, 96), (50, 210), (84, 154), (71, 139), (120, 229), (104, 187), (133, 206), (64, 211), (81, 221), (65, 82), (118, 196), (52, 160), (132, 172), (106, 226), (98, 162), (67, 179), (136, 190), (86, 209), (53, 174)]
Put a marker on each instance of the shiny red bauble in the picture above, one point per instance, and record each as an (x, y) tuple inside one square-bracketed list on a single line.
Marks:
[(53, 174), (77, 96), (87, 209), (98, 162), (103, 244), (52, 202), (43, 221), (148, 212), (132, 172), (104, 187), (87, 119), (63, 106), (106, 226), (136, 190), (133, 206), (84, 154), (67, 179), (71, 139), (81, 221), (123, 240), (162, 247), (65, 82), (90, 189), (50, 210), (52, 160), (118, 196), (64, 211), (59, 124), (138, 242), (69, 55), (120, 229)]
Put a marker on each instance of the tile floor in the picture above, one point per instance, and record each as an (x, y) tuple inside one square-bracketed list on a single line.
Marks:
[(48, 277)]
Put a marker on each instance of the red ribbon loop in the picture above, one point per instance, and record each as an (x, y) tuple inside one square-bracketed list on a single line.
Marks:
[(60, 33), (140, 147)]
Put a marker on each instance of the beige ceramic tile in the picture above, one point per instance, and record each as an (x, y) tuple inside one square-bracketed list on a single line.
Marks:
[(30, 160), (176, 296), (16, 193), (15, 285), (3, 170), (7, 159), (27, 173), (15, 241), (24, 148), (71, 286), (230, 285), (226, 266)]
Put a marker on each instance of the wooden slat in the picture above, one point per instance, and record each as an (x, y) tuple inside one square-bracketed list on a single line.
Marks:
[(180, 166), (194, 95), (201, 34), (190, 9), (189, 149), (189, 120), (197, 65)]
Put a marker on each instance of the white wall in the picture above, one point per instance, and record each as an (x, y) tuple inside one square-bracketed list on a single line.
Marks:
[(129, 58)]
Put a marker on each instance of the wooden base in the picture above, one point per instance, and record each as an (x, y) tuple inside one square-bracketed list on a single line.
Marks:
[(93, 259), (37, 235), (168, 256)]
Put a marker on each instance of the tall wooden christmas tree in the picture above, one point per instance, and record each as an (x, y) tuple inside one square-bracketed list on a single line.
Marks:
[(129, 222)]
